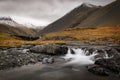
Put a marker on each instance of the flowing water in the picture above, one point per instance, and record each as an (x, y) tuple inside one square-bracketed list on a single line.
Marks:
[(73, 68), (82, 57), (79, 57)]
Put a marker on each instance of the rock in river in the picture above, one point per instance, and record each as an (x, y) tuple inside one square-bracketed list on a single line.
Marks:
[(47, 60), (49, 49), (98, 70), (112, 64)]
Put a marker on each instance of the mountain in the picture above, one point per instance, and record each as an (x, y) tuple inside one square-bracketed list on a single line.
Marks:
[(9, 21), (87, 16), (10, 28), (105, 16), (79, 13)]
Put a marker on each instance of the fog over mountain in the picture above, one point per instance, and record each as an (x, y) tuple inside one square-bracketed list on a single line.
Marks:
[(41, 12)]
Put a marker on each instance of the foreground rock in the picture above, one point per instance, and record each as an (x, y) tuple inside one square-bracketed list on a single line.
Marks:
[(27, 54), (106, 67), (8, 60), (49, 49), (107, 60), (15, 59), (113, 64), (47, 60), (95, 69)]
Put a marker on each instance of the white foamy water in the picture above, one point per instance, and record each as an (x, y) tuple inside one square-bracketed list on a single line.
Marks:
[(81, 57)]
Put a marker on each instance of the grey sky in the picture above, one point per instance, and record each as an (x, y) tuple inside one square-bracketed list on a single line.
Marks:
[(41, 12)]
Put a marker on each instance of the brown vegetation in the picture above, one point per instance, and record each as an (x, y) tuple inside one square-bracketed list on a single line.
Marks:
[(100, 34), (97, 35)]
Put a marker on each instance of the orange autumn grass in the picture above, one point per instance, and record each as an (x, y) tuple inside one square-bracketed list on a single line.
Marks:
[(19, 43), (11, 41), (100, 34)]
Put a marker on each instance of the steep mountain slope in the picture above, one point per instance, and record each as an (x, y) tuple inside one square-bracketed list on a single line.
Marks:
[(80, 13), (106, 16), (10, 28), (87, 16)]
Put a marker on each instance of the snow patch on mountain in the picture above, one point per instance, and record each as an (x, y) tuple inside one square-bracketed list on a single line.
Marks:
[(8, 21), (89, 5)]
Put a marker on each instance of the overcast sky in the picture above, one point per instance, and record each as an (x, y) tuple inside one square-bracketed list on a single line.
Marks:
[(41, 12)]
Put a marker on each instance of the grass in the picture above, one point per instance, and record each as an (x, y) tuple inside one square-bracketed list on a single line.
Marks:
[(7, 40), (97, 35), (21, 30), (19, 43)]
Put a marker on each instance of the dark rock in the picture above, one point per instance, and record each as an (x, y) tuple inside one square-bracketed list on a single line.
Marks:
[(117, 48), (48, 60), (51, 60), (101, 54), (114, 52), (45, 61), (1, 49), (91, 50), (112, 64), (98, 70), (9, 60), (49, 49), (72, 51), (26, 46), (40, 58), (23, 51), (61, 38), (17, 50), (32, 60), (13, 50)]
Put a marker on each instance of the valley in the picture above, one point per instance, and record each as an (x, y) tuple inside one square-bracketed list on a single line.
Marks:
[(83, 44)]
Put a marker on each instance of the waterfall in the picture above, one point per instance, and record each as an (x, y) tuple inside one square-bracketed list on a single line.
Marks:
[(81, 57)]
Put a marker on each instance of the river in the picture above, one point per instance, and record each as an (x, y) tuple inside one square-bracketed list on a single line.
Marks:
[(54, 71)]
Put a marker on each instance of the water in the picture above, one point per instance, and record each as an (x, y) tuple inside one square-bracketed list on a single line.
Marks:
[(49, 72), (82, 57), (79, 58), (74, 69)]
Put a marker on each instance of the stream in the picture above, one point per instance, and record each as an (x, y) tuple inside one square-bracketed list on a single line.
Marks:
[(72, 66), (54, 71)]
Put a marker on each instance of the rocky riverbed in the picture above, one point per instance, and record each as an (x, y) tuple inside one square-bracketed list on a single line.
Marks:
[(27, 54), (50, 54)]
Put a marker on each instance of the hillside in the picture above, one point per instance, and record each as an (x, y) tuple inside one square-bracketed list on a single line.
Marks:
[(87, 17), (11, 29), (106, 16), (80, 13)]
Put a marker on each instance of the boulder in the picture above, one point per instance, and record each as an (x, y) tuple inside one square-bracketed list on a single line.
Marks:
[(12, 51), (114, 52), (112, 64), (26, 46), (48, 60), (44, 61), (49, 49), (98, 70), (9, 60)]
